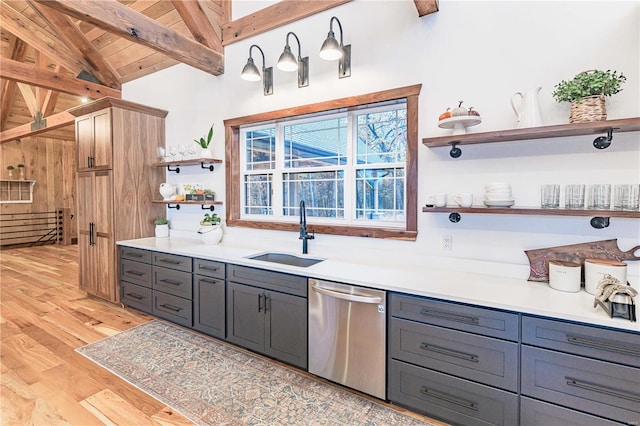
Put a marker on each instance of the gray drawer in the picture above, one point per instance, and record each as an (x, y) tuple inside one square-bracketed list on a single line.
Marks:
[(135, 272), (451, 399), (177, 283), (596, 387), (538, 413), (482, 359), (209, 268), (136, 296), (602, 344), (277, 281), (173, 261), (136, 254), (172, 308), (503, 325)]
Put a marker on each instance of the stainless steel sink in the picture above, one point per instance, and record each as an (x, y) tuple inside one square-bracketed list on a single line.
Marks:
[(286, 259)]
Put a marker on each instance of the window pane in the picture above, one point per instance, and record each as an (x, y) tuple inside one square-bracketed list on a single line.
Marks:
[(257, 190), (316, 143), (382, 137), (261, 149), (380, 194), (322, 192)]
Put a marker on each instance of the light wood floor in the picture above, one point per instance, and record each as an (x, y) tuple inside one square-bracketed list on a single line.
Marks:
[(43, 318)]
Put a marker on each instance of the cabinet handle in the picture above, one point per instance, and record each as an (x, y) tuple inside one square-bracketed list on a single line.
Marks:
[(89, 161), (449, 398), (171, 307), (449, 352), (133, 254), (206, 268), (450, 316), (134, 296), (207, 280), (259, 302), (170, 261), (267, 303), (92, 241), (172, 282), (594, 387), (600, 344), (136, 273)]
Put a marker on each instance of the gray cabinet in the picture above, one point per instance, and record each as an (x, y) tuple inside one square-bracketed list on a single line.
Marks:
[(455, 362), (538, 413), (135, 279), (172, 288), (264, 320), (209, 293)]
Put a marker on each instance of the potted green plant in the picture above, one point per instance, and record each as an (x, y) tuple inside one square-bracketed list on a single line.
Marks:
[(162, 227), (210, 219), (204, 144), (587, 91), (21, 168), (211, 229), (10, 170)]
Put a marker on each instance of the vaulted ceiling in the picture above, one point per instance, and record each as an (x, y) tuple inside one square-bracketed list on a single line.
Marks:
[(55, 52)]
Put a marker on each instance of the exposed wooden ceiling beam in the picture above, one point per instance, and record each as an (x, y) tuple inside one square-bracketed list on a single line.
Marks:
[(426, 7), (29, 98), (24, 73), (16, 51), (274, 16), (118, 19), (51, 98), (197, 20), (55, 121), (76, 41), (39, 38)]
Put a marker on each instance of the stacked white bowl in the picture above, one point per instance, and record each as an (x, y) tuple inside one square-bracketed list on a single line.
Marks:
[(498, 194)]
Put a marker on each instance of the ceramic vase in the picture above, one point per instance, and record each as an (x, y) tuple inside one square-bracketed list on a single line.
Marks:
[(167, 190), (211, 234), (162, 231), (205, 153), (22, 173)]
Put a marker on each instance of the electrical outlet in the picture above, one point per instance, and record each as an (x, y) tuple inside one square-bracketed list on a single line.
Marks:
[(447, 241)]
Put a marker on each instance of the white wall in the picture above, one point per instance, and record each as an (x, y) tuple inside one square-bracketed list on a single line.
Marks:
[(478, 51)]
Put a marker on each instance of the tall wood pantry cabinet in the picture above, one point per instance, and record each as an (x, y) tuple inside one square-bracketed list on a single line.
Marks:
[(116, 143)]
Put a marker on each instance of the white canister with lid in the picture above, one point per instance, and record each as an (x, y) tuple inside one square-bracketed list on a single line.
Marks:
[(596, 269), (565, 276)]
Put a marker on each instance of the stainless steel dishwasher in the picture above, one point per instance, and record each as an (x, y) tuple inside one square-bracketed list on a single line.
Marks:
[(347, 335)]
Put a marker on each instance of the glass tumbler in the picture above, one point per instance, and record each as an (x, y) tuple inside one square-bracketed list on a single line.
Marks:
[(574, 196), (550, 196), (600, 196), (626, 197)]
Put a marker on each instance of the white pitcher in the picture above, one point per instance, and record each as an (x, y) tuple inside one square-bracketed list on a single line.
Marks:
[(528, 115)]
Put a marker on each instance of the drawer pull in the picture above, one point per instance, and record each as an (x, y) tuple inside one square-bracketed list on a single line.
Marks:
[(601, 389), (260, 302), (133, 254), (450, 316), (136, 273), (450, 352), (210, 281), (206, 268), (171, 307), (135, 296), (448, 398), (170, 261), (599, 344), (172, 282)]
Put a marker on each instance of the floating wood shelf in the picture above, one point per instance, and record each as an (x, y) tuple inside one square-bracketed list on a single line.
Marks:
[(205, 163), (174, 204)]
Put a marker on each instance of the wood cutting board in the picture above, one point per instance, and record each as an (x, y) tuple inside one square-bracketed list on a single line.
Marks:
[(605, 249)]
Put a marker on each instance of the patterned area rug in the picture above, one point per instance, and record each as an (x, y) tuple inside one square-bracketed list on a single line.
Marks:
[(212, 383)]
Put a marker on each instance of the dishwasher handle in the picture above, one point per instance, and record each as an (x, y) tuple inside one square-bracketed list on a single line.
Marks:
[(346, 296)]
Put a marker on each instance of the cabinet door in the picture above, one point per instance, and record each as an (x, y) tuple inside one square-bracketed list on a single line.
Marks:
[(209, 305), (245, 316), (85, 249), (84, 142), (102, 139), (286, 328)]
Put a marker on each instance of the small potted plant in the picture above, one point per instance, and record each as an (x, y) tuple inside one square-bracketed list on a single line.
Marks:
[(21, 169), (209, 195), (10, 170), (162, 227), (204, 144), (211, 229), (586, 92)]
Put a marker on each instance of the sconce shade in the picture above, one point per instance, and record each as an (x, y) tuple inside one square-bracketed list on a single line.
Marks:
[(250, 71), (287, 61), (331, 49)]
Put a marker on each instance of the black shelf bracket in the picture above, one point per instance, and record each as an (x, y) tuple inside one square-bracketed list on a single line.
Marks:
[(209, 207), (177, 206), (210, 166), (602, 142), (454, 217), (455, 151), (600, 222), (177, 169)]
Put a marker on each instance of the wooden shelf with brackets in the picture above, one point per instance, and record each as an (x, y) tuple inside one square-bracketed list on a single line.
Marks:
[(205, 163), (175, 204)]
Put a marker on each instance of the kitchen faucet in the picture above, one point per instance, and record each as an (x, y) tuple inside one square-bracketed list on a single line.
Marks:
[(304, 235)]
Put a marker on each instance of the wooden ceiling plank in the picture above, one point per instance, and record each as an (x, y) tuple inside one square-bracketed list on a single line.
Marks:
[(29, 98), (35, 76), (39, 38), (119, 19), (16, 49), (426, 7), (199, 23), (55, 121), (77, 42), (51, 98), (225, 14), (274, 16)]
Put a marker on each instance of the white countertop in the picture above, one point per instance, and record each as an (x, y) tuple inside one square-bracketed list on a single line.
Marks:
[(479, 289)]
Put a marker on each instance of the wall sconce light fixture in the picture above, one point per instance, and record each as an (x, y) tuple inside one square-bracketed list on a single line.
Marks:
[(250, 72), (288, 62), (332, 50)]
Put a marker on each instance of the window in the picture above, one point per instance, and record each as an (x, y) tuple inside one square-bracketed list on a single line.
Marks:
[(353, 162)]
